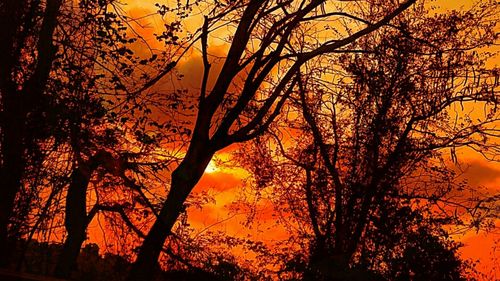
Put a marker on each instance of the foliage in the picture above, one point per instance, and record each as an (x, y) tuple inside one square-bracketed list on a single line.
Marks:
[(375, 126)]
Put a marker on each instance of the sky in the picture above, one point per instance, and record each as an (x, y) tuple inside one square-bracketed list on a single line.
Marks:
[(225, 182)]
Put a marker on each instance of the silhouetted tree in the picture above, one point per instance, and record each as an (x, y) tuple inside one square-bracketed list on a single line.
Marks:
[(73, 90), (369, 160), (105, 118), (262, 52), (27, 52)]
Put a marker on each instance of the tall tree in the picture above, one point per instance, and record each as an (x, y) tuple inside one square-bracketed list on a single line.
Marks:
[(27, 53), (72, 85), (262, 51), (368, 182), (105, 117)]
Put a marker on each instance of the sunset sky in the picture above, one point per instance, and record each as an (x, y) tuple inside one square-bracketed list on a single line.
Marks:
[(225, 182)]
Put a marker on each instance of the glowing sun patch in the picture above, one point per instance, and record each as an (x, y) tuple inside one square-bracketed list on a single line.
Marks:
[(211, 168)]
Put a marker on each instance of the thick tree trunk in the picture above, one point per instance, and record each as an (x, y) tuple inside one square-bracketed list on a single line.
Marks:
[(11, 162), (184, 178), (10, 179), (75, 221)]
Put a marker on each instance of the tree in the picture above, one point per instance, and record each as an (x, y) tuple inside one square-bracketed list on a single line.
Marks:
[(27, 54), (105, 118), (72, 90), (263, 50), (370, 160)]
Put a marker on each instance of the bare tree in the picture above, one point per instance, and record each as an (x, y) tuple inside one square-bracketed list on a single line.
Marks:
[(261, 50)]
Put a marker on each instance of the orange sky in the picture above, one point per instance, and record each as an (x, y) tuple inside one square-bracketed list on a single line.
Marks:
[(225, 182)]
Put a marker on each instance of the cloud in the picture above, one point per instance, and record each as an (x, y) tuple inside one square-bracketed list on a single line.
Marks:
[(482, 173), (219, 181)]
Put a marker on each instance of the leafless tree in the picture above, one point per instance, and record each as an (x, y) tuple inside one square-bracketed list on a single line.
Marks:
[(261, 53)]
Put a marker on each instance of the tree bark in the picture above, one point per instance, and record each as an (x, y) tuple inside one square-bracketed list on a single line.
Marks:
[(184, 179), (11, 163), (10, 176), (75, 221)]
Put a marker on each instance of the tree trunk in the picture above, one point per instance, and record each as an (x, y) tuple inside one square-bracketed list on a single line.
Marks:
[(184, 178), (11, 162), (10, 177), (75, 221)]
